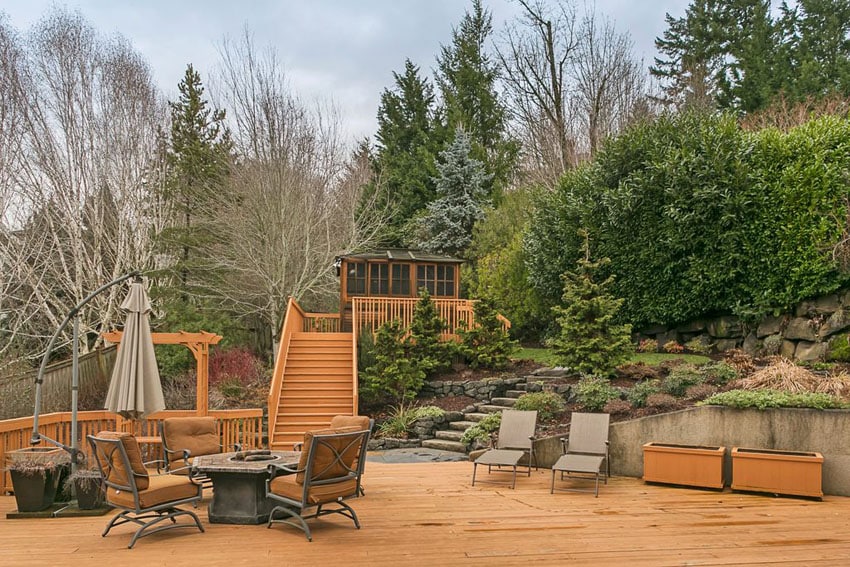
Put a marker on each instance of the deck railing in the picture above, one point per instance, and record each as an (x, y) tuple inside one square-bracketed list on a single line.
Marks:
[(243, 426), (369, 313), (321, 323)]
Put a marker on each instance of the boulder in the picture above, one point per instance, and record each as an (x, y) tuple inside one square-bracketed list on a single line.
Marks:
[(828, 303), (787, 349), (770, 325), (810, 351), (836, 322), (693, 327), (725, 328), (800, 329), (751, 344), (664, 338), (722, 345)]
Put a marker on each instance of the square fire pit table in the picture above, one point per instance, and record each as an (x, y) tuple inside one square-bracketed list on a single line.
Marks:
[(239, 487)]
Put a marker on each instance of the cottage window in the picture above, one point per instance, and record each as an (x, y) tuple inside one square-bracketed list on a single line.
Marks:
[(379, 280), (400, 281), (356, 278), (445, 281)]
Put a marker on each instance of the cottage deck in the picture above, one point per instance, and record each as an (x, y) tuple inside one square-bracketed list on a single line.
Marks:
[(428, 514)]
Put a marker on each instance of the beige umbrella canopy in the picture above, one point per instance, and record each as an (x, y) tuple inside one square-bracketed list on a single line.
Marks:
[(135, 390)]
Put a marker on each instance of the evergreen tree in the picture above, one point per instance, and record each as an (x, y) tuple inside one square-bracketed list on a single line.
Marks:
[(590, 340), (487, 344), (395, 374), (467, 79), (409, 137), (198, 159), (461, 188), (430, 353)]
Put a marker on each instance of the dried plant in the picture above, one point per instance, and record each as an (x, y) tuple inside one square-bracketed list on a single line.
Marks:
[(783, 374)]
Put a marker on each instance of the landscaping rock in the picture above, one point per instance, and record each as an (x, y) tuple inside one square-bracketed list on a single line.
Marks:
[(722, 345), (770, 325), (787, 349), (836, 322), (751, 344), (810, 351), (725, 328), (828, 303), (800, 328), (696, 326)]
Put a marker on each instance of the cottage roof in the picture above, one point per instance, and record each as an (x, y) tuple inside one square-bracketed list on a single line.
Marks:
[(402, 255)]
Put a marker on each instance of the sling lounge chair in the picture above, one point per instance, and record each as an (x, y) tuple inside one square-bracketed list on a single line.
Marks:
[(327, 474), (585, 450), (148, 500), (515, 441)]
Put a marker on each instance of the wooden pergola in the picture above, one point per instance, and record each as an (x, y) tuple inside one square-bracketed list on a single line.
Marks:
[(199, 344)]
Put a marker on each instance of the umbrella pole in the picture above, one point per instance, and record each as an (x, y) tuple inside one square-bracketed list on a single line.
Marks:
[(75, 393), (36, 436)]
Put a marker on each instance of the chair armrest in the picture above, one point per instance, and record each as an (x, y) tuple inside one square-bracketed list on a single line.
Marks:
[(297, 446), (280, 470)]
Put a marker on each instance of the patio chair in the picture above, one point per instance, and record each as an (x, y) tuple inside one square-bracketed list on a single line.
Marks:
[(184, 438), (361, 422), (327, 474), (148, 500), (515, 441), (585, 450)]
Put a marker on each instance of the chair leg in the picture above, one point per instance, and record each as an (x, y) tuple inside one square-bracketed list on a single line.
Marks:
[(302, 525), (474, 470), (552, 489)]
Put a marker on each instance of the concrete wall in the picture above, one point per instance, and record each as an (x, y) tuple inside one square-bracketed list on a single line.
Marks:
[(826, 432)]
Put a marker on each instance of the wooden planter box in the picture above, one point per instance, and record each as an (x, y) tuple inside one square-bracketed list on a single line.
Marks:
[(687, 465), (793, 473)]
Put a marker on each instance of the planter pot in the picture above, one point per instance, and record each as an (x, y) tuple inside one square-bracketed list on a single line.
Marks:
[(686, 465), (794, 473), (35, 473), (35, 492), (89, 494)]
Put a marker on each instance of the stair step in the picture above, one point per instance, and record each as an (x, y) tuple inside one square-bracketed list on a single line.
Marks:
[(449, 435), (461, 425), (507, 402), (514, 393), (522, 386), (474, 416), (490, 408), (444, 445)]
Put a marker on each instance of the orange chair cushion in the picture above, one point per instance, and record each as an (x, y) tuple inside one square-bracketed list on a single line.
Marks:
[(118, 473), (324, 465), (288, 487), (197, 434), (361, 422), (162, 489)]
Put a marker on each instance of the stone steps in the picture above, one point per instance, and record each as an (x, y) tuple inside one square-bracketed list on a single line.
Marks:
[(449, 434), (515, 393), (507, 402), (475, 416), (444, 445), (491, 408), (461, 425)]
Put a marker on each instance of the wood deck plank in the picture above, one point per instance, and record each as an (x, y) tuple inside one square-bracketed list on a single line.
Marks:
[(429, 514)]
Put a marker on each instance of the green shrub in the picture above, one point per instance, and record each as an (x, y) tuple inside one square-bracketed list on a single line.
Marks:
[(764, 399), (395, 373), (482, 430), (402, 417), (680, 379), (593, 392), (839, 348), (546, 404), (638, 393), (699, 345), (771, 344), (431, 354), (718, 373), (648, 345), (365, 350)]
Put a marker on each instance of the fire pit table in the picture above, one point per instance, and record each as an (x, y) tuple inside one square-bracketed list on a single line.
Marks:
[(239, 491)]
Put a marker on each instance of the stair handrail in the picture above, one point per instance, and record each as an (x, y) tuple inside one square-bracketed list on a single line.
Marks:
[(292, 322)]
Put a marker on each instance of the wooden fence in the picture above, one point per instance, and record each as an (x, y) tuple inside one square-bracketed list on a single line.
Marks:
[(243, 426)]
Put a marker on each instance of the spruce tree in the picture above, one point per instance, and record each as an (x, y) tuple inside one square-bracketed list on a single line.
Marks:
[(590, 340), (487, 344), (429, 352), (447, 225), (395, 373)]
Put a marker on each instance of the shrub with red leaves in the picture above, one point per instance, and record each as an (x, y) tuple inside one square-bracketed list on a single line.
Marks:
[(235, 364)]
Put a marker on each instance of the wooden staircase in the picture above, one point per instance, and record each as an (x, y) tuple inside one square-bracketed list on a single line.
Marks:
[(313, 381)]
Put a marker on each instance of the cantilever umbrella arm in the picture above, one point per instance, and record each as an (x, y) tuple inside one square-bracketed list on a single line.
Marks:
[(76, 454)]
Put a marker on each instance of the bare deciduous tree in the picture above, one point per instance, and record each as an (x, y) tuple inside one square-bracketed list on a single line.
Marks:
[(81, 190), (292, 204)]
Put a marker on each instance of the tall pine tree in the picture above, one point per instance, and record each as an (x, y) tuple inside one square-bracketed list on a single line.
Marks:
[(467, 78), (198, 159)]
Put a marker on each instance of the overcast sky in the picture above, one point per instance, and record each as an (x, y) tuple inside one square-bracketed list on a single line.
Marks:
[(342, 50)]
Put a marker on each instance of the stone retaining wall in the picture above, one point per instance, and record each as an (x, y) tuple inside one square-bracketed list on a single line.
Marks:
[(808, 332)]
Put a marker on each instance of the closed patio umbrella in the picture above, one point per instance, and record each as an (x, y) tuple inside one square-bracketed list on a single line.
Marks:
[(135, 389)]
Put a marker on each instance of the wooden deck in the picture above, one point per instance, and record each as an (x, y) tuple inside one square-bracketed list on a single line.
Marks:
[(428, 514)]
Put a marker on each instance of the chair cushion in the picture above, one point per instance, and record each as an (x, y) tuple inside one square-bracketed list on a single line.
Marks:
[(288, 487), (325, 459), (118, 473), (197, 434), (361, 422), (162, 489)]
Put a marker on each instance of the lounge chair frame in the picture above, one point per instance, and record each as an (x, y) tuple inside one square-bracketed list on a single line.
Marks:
[(585, 451), (515, 440), (147, 518), (347, 460)]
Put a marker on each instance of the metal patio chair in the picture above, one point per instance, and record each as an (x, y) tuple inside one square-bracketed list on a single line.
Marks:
[(145, 499), (327, 474)]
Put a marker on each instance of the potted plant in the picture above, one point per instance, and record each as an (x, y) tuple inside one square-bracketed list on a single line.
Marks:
[(87, 486), (35, 475)]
